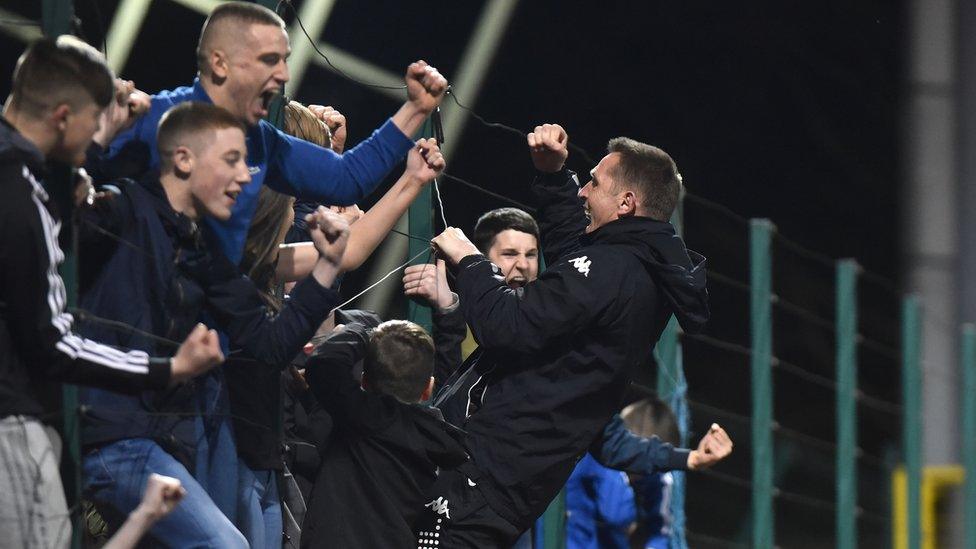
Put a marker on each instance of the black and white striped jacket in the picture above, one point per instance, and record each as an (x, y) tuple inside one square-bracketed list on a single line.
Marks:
[(38, 348)]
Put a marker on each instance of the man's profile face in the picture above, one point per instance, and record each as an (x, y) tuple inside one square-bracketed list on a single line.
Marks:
[(257, 70), (79, 127), (219, 171), (517, 255), (601, 200)]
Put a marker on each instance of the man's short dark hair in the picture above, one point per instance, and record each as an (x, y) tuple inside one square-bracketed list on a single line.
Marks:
[(502, 219), (239, 12), (650, 173), (183, 121), (399, 360), (63, 71)]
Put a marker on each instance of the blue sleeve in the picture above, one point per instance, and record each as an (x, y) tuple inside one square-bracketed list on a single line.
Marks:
[(618, 448), (614, 499), (308, 171)]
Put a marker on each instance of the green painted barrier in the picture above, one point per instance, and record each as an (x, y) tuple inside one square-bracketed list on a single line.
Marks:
[(761, 332), (846, 333)]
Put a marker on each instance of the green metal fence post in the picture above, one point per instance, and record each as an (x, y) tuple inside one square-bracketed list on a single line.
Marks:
[(761, 331), (420, 222), (912, 427), (56, 17), (969, 430), (846, 326)]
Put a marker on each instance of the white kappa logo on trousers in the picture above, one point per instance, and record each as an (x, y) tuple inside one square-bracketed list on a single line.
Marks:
[(439, 506)]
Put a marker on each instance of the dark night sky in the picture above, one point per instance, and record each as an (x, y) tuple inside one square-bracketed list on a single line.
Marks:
[(789, 111)]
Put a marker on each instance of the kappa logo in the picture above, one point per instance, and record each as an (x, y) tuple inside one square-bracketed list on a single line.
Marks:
[(582, 265), (439, 506)]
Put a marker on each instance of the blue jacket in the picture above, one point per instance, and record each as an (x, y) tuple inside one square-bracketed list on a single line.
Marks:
[(145, 265), (287, 164), (599, 507)]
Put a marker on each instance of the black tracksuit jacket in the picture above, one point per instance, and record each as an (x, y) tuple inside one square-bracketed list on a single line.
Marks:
[(38, 345), (555, 358)]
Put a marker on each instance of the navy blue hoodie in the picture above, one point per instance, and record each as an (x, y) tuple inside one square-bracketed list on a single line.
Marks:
[(144, 264)]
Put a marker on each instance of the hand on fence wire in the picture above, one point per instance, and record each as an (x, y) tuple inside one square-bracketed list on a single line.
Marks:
[(199, 352), (713, 448), (549, 147), (425, 86), (428, 284), (425, 161), (453, 245)]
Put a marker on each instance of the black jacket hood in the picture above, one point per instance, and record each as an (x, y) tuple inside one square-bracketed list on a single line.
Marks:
[(679, 271)]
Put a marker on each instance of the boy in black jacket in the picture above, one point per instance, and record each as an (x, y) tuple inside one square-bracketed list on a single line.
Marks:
[(387, 448)]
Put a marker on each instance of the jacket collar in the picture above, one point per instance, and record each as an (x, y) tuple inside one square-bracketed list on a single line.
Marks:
[(14, 145)]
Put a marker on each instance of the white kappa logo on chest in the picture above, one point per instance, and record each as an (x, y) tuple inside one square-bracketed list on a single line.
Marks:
[(582, 265)]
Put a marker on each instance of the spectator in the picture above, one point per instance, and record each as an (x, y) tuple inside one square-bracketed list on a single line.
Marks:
[(387, 447), (242, 66), (159, 282), (59, 90)]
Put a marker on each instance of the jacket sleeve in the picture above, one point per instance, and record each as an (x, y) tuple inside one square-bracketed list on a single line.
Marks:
[(308, 171), (563, 300), (329, 375), (34, 299), (618, 448), (449, 331), (239, 309), (561, 216)]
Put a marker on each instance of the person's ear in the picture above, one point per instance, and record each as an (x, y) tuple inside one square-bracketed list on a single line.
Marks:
[(429, 391), (59, 117), (362, 381), (183, 161), (627, 205), (219, 64)]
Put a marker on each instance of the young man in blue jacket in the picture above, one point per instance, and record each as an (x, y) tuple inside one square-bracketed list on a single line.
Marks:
[(147, 262), (242, 65), (557, 354)]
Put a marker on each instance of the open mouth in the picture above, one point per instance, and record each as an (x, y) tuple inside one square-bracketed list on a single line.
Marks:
[(232, 195), (517, 282), (267, 96)]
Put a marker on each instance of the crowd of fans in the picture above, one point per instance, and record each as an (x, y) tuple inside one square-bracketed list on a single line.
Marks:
[(227, 400)]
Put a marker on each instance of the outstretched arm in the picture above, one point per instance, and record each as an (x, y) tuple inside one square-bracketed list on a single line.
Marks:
[(424, 163), (237, 305), (315, 173)]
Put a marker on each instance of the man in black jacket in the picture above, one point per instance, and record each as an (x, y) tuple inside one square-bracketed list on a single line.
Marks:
[(557, 355), (59, 90), (386, 447)]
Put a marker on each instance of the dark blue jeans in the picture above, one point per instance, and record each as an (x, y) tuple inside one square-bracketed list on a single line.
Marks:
[(116, 475)]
